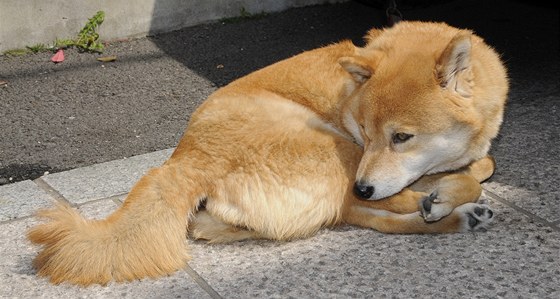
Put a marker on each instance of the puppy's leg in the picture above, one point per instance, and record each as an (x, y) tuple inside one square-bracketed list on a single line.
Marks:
[(404, 202), (452, 191), (204, 226), (448, 191), (467, 217), (438, 194), (481, 169)]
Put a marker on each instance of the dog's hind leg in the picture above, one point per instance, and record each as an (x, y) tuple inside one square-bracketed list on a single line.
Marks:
[(205, 226)]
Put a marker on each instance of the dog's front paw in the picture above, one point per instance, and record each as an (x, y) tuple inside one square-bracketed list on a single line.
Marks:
[(474, 216), (433, 208)]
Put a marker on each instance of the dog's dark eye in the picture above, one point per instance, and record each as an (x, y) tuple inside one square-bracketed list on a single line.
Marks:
[(401, 137)]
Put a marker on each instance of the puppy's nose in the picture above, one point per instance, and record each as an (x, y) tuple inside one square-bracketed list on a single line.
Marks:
[(363, 191)]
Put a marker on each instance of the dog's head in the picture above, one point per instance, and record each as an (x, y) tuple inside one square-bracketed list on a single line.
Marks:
[(425, 98)]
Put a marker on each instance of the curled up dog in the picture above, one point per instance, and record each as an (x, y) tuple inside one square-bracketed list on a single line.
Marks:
[(392, 136)]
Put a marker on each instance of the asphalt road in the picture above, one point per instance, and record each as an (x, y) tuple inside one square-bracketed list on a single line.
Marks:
[(55, 117)]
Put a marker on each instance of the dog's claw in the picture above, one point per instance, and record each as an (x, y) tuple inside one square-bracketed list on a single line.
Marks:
[(432, 208), (427, 204), (435, 198)]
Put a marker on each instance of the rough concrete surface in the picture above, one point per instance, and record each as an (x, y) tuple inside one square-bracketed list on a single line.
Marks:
[(68, 118)]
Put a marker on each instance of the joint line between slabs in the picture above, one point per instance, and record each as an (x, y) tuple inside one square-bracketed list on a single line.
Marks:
[(543, 221), (201, 282), (52, 191)]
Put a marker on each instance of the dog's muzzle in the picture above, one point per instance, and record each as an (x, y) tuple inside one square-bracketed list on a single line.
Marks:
[(363, 191)]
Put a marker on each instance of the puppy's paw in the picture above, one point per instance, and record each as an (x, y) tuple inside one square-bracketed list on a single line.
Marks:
[(433, 208), (474, 216)]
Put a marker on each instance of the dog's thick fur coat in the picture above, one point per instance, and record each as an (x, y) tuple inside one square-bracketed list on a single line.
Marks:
[(392, 136)]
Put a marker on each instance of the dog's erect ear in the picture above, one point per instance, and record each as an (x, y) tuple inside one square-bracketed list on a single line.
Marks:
[(453, 68), (358, 67)]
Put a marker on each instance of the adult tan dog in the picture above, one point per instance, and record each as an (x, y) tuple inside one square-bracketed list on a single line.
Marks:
[(312, 141)]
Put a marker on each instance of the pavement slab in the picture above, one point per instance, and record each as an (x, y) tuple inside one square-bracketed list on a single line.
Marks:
[(105, 179), (19, 279), (515, 258), (22, 199), (527, 152)]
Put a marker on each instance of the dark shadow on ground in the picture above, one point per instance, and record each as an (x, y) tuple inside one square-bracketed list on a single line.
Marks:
[(242, 45), (228, 49)]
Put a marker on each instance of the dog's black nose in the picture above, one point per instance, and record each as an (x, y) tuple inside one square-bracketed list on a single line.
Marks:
[(363, 191)]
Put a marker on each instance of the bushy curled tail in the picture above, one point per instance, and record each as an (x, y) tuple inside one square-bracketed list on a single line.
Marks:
[(145, 237)]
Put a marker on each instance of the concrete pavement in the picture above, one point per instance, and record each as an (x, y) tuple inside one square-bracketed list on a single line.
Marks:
[(518, 257)]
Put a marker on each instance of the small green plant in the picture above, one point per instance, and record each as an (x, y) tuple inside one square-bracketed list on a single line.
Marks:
[(16, 52), (37, 48), (87, 40), (27, 50), (88, 37), (62, 43)]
